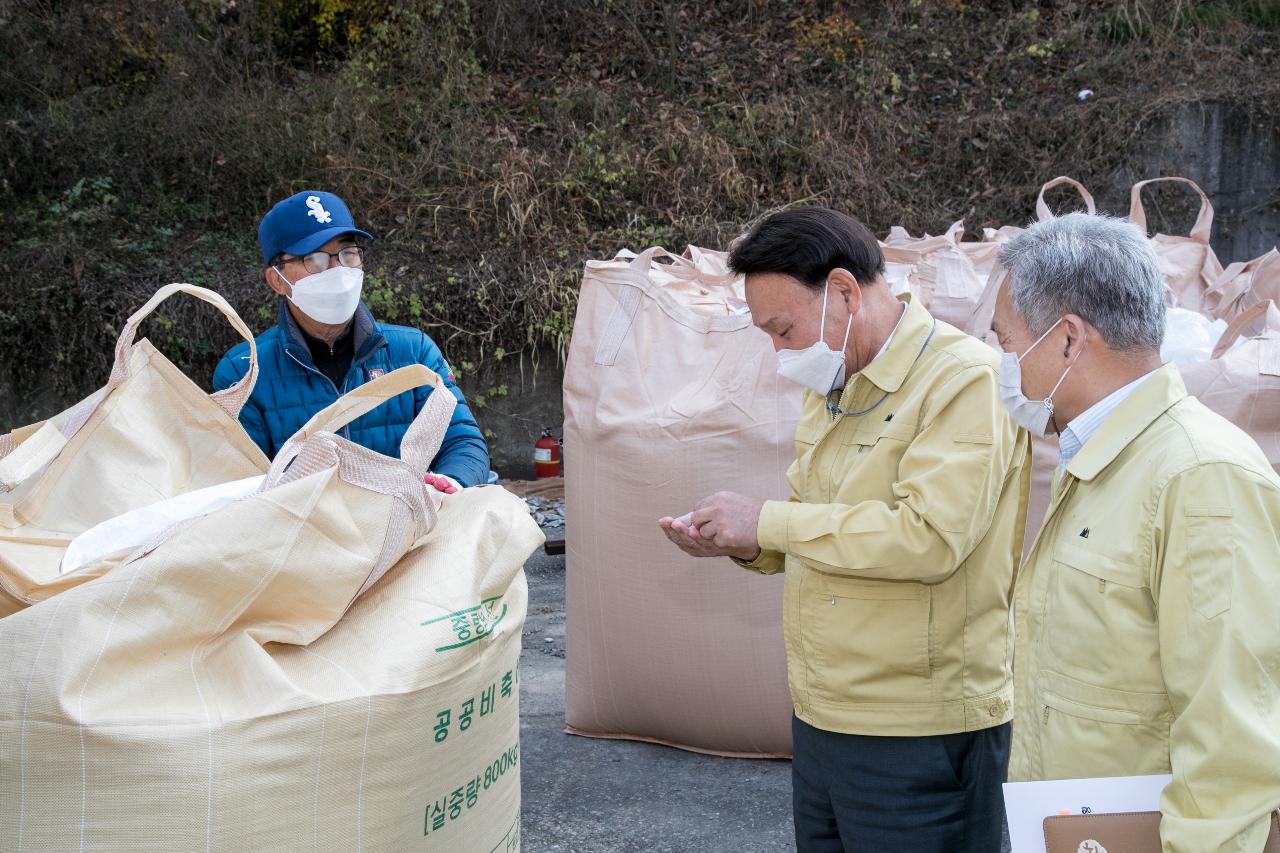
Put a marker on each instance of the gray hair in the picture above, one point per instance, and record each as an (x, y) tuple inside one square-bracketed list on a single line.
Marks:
[(1098, 267)]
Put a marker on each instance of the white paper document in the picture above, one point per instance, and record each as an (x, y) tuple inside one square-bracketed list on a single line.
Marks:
[(1029, 803)]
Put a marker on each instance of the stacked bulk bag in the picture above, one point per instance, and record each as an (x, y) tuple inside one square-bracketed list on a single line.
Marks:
[(1239, 378), (948, 275), (671, 394), (936, 270), (149, 434), (904, 253), (328, 663)]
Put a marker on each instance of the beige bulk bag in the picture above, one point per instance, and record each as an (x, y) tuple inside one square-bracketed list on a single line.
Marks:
[(903, 254), (670, 395), (936, 271), (328, 664), (148, 435), (1243, 285), (1242, 382), (1189, 264), (950, 276)]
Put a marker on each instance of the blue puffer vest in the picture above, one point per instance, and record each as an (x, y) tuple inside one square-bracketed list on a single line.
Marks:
[(290, 390)]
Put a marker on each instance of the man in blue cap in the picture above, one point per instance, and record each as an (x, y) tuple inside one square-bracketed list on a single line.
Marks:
[(326, 343)]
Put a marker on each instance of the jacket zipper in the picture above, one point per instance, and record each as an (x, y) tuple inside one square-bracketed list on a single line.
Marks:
[(355, 362), (346, 430)]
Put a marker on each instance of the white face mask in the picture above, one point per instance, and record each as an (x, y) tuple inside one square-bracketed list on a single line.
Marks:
[(1032, 415), (818, 368), (328, 297)]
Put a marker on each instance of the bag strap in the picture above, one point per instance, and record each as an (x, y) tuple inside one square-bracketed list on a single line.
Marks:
[(686, 266), (1043, 213), (955, 233), (24, 458), (984, 311), (230, 400), (420, 443), (1204, 219), (618, 326), (1223, 297), (1266, 310), (1265, 282), (11, 441)]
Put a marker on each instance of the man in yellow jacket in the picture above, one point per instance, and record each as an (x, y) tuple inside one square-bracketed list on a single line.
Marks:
[(899, 545), (1147, 633)]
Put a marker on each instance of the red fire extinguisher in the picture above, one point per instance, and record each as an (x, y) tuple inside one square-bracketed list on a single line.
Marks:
[(546, 456)]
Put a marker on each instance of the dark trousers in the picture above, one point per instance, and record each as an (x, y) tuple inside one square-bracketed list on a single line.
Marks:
[(931, 794)]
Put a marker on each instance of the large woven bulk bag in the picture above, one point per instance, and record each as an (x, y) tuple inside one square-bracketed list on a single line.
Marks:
[(936, 270), (671, 395), (903, 254), (1189, 264), (950, 276), (327, 664), (1241, 381), (148, 435)]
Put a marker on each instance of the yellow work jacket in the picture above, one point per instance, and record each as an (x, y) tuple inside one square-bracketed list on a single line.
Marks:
[(1148, 620), (900, 542)]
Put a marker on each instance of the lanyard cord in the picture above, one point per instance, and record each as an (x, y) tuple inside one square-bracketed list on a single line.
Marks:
[(836, 411)]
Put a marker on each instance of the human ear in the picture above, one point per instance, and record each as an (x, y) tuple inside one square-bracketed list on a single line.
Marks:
[(846, 287), (277, 282), (1077, 329)]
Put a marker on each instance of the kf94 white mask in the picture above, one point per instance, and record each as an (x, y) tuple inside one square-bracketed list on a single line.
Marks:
[(329, 297), (818, 367)]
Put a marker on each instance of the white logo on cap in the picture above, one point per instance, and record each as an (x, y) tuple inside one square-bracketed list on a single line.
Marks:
[(316, 209)]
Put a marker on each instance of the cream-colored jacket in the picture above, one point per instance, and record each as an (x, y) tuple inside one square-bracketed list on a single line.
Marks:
[(1148, 620), (900, 542)]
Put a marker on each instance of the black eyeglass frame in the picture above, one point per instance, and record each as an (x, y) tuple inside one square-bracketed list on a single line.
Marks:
[(328, 259)]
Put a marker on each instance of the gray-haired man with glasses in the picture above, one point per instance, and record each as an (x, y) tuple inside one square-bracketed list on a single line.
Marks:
[(326, 343)]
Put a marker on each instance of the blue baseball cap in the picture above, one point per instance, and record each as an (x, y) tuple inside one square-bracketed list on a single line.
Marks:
[(304, 222)]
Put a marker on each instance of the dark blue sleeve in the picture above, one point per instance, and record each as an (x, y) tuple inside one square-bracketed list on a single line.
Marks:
[(463, 455), (228, 373)]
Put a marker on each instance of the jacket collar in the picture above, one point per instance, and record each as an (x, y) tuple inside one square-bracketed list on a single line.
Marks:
[(366, 337), (889, 370), (1160, 392)]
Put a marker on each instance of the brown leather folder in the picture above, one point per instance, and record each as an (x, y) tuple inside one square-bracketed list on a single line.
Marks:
[(1127, 832)]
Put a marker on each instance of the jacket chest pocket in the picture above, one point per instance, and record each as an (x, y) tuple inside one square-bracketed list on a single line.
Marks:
[(864, 464), (1102, 617), (868, 640)]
